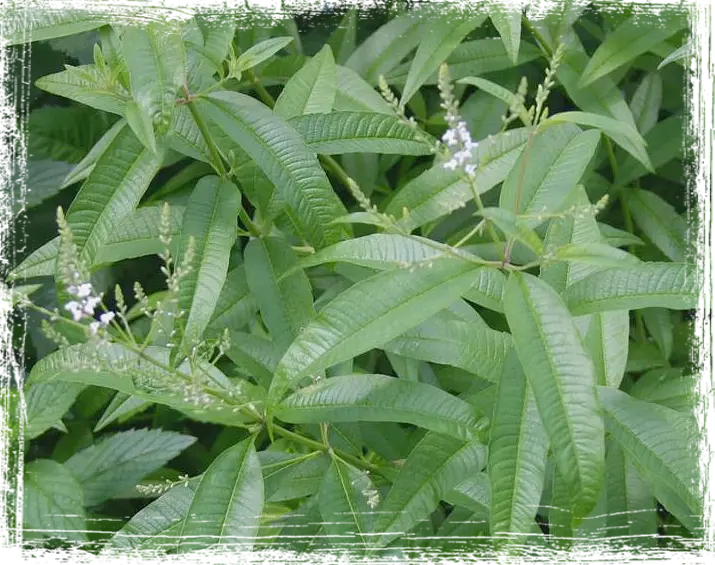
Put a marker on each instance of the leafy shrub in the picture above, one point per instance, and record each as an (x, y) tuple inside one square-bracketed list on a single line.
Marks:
[(384, 283)]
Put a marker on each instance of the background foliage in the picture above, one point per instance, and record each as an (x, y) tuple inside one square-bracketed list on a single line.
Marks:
[(371, 336)]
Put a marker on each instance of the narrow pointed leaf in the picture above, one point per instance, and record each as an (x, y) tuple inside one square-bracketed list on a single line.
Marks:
[(517, 453), (311, 90), (235, 305), (261, 52), (287, 162), (228, 503), (379, 398), (665, 285), (210, 219), (447, 31), (46, 403), (434, 467), (286, 304), (158, 524), (370, 313), (354, 94), (507, 20), (563, 380), (646, 102), (22, 26), (361, 132)]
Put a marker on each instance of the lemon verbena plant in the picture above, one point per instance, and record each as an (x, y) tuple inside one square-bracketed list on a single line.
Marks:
[(373, 281)]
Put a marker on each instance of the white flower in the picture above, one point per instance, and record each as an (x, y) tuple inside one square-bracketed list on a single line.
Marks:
[(75, 308), (105, 318), (470, 170), (90, 304), (82, 291), (94, 327)]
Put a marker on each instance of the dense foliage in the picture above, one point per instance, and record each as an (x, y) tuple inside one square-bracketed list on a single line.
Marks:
[(357, 280)]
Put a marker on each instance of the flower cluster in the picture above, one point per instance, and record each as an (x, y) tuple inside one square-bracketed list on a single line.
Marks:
[(85, 304), (457, 138)]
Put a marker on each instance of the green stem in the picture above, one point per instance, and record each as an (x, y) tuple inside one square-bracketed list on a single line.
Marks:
[(245, 218), (263, 94), (215, 155)]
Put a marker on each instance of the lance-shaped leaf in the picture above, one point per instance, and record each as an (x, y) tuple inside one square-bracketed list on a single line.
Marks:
[(343, 502), (354, 94), (122, 460), (621, 133), (434, 467), (370, 313), (260, 52), (46, 403), (22, 26), (111, 192), (292, 476), (513, 226), (210, 220), (311, 90), (303, 540), (361, 132), (156, 62), (517, 453), (122, 407), (286, 304), (82, 170), (563, 381), (228, 503), (607, 342), (666, 285), (387, 46), (479, 350), (488, 289), (550, 166), (630, 501), (661, 441), (282, 155), (659, 221), (446, 31), (158, 524), (379, 398), (507, 20), (438, 192), (235, 305), (53, 502), (646, 102), (632, 38)]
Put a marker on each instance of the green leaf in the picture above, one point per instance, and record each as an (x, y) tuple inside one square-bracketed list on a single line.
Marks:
[(702, 16), (286, 303), (256, 21), (659, 221), (633, 37), (88, 86), (622, 134), (122, 460), (387, 46), (563, 380), (65, 133), (488, 289), (551, 165), (370, 313), (121, 407), (668, 387), (665, 285), (138, 235), (514, 227), (342, 40), (646, 102), (597, 254), (23, 26), (26, 184), (303, 540), (46, 403), (157, 525), (498, 92), (141, 123), (438, 192), (480, 351), (111, 192), (287, 162), (354, 94), (661, 441), (261, 52), (292, 476), (507, 21), (631, 505), (434, 467), (311, 90), (156, 61), (618, 238), (379, 398), (607, 343), (447, 30), (683, 52), (86, 165), (361, 132), (228, 502), (518, 446), (235, 305), (53, 503), (343, 503), (255, 355), (210, 219)]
